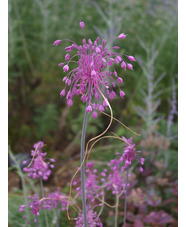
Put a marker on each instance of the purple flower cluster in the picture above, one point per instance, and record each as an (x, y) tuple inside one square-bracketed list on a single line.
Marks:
[(48, 203), (35, 205), (39, 167), (93, 188), (94, 73), (56, 198), (113, 180), (129, 155), (92, 218)]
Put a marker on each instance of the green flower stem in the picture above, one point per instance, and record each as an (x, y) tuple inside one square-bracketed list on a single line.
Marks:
[(116, 211), (57, 215), (83, 168), (36, 224), (125, 206), (43, 195)]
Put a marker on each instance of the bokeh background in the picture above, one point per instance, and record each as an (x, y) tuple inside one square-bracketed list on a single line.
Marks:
[(37, 112)]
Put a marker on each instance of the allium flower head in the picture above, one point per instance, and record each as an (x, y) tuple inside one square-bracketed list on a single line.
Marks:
[(92, 218), (39, 166), (113, 180), (125, 159), (129, 155), (92, 187), (55, 198), (94, 72), (35, 205)]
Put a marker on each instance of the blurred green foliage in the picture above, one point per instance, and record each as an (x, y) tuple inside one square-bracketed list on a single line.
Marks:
[(45, 120)]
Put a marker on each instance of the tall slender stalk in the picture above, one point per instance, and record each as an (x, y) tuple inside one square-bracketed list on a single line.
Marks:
[(57, 215), (116, 211), (36, 223), (83, 168), (43, 195), (125, 206)]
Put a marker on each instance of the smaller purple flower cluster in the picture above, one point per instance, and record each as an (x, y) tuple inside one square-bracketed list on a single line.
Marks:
[(92, 218), (52, 201), (113, 179), (56, 198), (35, 205), (93, 188), (129, 155), (39, 167)]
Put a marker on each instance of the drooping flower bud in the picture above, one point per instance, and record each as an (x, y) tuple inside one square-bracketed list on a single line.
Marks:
[(116, 47), (105, 103), (120, 80), (57, 42), (69, 48), (141, 169), (67, 56), (110, 62), (122, 93), (112, 95), (69, 102), (82, 25), (121, 36), (65, 68), (60, 64), (123, 65), (62, 93), (101, 108), (94, 114), (89, 108), (98, 50), (131, 58), (130, 66)]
